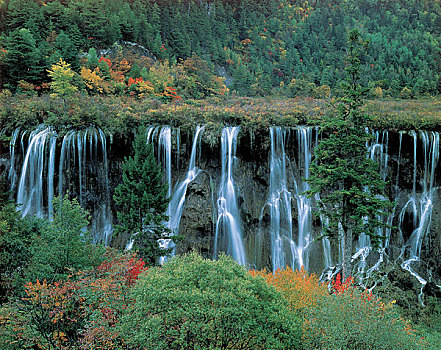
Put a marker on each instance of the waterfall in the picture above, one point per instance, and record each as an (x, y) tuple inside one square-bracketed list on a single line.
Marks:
[(30, 187), (164, 151), (80, 149), (285, 250), (12, 176), (420, 205), (377, 150), (179, 194), (164, 155), (78, 160), (304, 205), (282, 244), (228, 225)]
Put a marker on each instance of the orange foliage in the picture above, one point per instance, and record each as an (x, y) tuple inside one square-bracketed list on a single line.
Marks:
[(300, 289), (171, 94), (106, 60), (119, 69), (140, 88)]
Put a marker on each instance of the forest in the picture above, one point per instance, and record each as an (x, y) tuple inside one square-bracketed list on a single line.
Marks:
[(255, 48)]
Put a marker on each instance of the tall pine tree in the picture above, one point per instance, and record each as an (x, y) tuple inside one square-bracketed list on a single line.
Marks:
[(351, 190), (142, 200), (23, 58)]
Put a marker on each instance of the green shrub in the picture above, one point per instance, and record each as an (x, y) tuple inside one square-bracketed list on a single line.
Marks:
[(193, 303), (300, 87), (62, 245), (406, 93), (323, 91), (353, 319)]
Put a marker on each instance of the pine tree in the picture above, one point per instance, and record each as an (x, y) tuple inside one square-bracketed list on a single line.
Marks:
[(67, 49), (351, 190), (92, 58), (23, 58), (142, 200)]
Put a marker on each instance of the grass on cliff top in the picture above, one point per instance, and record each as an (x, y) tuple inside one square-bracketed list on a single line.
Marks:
[(117, 115)]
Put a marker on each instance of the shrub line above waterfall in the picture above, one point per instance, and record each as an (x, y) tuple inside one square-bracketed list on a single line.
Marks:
[(119, 116)]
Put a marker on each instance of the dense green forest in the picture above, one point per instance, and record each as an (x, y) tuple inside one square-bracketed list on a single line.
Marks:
[(261, 47)]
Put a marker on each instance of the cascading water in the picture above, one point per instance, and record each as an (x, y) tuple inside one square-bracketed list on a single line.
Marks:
[(282, 244), (81, 167), (12, 176), (228, 236), (284, 249), (304, 205), (420, 205), (36, 166), (377, 150), (179, 194), (164, 150), (87, 150), (79, 159)]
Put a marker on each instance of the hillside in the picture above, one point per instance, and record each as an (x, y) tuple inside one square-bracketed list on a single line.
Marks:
[(263, 47)]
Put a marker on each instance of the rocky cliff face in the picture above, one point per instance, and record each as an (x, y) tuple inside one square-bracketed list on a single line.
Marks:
[(243, 194)]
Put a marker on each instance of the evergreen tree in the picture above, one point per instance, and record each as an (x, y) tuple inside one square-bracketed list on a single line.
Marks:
[(67, 49), (179, 38), (349, 184), (63, 244), (92, 59), (16, 235), (23, 58), (142, 200)]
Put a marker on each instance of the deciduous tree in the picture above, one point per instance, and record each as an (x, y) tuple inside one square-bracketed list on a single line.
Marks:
[(61, 84)]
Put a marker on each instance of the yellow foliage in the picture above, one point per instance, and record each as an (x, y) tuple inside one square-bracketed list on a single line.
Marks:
[(144, 89), (161, 75), (61, 75), (323, 91), (93, 81), (377, 92)]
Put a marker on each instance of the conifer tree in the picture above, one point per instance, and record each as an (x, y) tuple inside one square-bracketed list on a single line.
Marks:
[(142, 200), (23, 58), (67, 49), (351, 190), (92, 58)]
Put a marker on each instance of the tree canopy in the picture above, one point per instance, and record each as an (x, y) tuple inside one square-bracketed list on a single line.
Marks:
[(262, 45)]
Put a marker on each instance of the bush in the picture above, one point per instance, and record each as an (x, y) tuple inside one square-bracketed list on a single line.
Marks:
[(376, 92), (300, 87), (78, 313), (193, 303), (353, 319), (323, 91), (406, 93), (302, 291), (63, 245)]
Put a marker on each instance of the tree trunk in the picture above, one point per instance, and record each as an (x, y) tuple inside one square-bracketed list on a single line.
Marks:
[(347, 253)]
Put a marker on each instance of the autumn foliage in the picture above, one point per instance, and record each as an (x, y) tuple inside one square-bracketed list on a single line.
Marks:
[(341, 315), (79, 313), (302, 290)]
